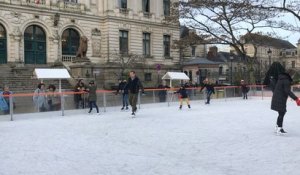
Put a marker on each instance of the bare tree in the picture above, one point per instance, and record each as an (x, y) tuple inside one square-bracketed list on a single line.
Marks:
[(224, 21), (227, 21), (282, 6), (127, 61)]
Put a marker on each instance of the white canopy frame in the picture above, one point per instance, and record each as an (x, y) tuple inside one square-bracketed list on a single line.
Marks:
[(54, 74), (175, 76)]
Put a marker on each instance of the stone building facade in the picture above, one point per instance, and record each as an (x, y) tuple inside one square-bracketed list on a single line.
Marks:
[(39, 32)]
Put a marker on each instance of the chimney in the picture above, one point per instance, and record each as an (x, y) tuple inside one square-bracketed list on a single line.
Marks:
[(213, 52)]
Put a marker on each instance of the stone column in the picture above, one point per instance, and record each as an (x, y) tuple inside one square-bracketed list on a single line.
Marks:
[(56, 55), (17, 42), (48, 2)]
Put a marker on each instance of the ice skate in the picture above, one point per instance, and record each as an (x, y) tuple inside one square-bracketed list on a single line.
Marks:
[(133, 114), (280, 131), (180, 107), (276, 128), (189, 106), (122, 108)]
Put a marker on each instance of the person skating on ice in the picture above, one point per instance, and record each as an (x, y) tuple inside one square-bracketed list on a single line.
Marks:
[(279, 100), (92, 90), (134, 86), (245, 89), (123, 88), (183, 96), (209, 90)]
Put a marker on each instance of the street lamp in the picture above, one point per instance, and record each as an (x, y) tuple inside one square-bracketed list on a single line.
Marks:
[(260, 71), (269, 54), (231, 59)]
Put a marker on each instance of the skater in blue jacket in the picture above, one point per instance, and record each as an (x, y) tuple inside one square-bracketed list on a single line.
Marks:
[(209, 90)]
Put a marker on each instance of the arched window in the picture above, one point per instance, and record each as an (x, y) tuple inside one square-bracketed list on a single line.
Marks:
[(70, 42), (35, 45), (3, 48)]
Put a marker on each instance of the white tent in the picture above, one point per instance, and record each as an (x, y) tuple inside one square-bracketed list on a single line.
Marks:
[(52, 74), (175, 76)]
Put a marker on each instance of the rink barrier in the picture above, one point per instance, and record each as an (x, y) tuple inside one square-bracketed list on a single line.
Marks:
[(254, 89)]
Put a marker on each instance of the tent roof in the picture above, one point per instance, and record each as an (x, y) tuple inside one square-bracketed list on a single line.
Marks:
[(175, 76), (52, 73)]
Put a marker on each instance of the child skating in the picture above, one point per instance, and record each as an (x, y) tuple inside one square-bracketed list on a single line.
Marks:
[(183, 96)]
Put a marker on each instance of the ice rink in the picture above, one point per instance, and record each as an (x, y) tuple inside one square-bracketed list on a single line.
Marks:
[(235, 137)]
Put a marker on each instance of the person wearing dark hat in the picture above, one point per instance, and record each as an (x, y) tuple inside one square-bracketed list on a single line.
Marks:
[(92, 90), (281, 93)]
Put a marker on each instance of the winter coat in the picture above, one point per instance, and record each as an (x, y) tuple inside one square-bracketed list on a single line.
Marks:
[(209, 88), (39, 98), (134, 85), (80, 87), (92, 93), (53, 98), (3, 103), (282, 92), (123, 87), (245, 88), (272, 84), (183, 92)]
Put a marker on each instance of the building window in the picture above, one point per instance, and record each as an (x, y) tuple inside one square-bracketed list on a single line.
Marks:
[(72, 1), (3, 47), (167, 8), (35, 45), (70, 42), (167, 43), (191, 75), (123, 41), (293, 64), (148, 76), (220, 70), (146, 44), (146, 6), (193, 51), (123, 4)]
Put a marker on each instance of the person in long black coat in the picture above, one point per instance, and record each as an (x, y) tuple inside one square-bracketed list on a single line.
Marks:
[(280, 95)]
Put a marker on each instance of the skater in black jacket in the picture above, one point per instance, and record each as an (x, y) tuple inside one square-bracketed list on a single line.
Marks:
[(245, 89), (210, 89), (280, 95), (134, 86), (183, 96), (123, 88)]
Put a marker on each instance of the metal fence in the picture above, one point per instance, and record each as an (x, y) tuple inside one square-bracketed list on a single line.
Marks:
[(21, 103)]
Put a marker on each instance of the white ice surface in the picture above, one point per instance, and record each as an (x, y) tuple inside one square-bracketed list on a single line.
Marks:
[(226, 138)]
